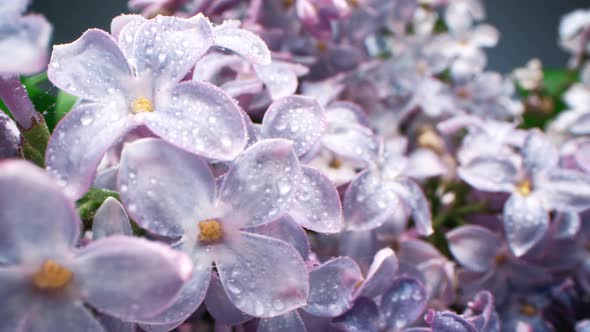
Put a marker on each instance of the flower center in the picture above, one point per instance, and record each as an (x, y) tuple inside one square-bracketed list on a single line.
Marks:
[(142, 105), (354, 3), (528, 310), (524, 187), (321, 45), (52, 275), (209, 231), (501, 259), (335, 163)]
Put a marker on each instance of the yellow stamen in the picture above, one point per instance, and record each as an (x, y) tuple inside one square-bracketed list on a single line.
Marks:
[(354, 3), (288, 3), (335, 163), (141, 105), (321, 45), (52, 275), (528, 310), (429, 139), (209, 231), (501, 259), (524, 188)]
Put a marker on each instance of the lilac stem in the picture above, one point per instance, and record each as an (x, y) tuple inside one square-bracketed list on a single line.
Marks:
[(15, 97)]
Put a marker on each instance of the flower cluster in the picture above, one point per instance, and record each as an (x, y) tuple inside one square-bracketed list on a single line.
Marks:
[(303, 165)]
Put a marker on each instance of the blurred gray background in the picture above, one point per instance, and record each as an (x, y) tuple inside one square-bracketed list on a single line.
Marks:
[(528, 27)]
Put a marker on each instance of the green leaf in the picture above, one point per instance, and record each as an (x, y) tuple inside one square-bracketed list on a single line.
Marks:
[(63, 104)]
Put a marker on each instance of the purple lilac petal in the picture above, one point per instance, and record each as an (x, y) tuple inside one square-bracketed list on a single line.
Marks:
[(166, 48), (174, 192), (24, 42), (581, 126), (582, 156), (57, 317), (414, 251), (353, 142), (368, 202), (525, 222), (201, 118), (360, 245), (262, 183), (35, 217), (566, 190), (404, 302), (149, 275), (566, 225), (474, 247), (378, 280), (188, 299), (126, 36), (439, 280), (13, 8), (539, 153), (449, 322), (280, 78), (220, 306), (317, 205), (15, 298), (297, 118), (111, 324), (107, 178), (242, 42), (110, 219), (425, 163), (160, 327), (489, 173), (290, 321), (120, 22), (263, 277), (242, 87), (332, 285), (346, 113), (583, 326), (10, 138), (92, 67), (78, 143), (285, 228), (410, 192), (363, 317)]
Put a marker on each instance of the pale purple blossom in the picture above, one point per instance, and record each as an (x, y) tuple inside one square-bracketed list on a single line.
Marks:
[(46, 280)]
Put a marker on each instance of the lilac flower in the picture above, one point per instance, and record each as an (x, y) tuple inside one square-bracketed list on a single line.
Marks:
[(536, 185), (385, 300), (138, 86), (23, 39), (425, 263), (574, 30), (46, 280), (488, 264), (318, 15), (576, 120), (172, 193), (332, 285), (347, 145), (463, 46), (302, 120), (374, 195), (488, 95), (480, 316)]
